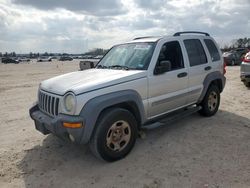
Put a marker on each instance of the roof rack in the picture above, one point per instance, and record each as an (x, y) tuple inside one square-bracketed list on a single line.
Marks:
[(143, 37), (186, 32)]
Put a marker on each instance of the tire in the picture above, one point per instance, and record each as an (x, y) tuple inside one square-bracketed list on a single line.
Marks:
[(115, 135), (211, 101), (247, 84), (233, 62)]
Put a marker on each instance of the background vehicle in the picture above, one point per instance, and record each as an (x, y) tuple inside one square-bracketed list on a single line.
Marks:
[(146, 80), (44, 59), (98, 57), (23, 59), (245, 70), (9, 60), (88, 64), (235, 57), (65, 58)]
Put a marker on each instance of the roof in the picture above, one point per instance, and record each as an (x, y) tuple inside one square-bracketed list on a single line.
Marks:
[(184, 34)]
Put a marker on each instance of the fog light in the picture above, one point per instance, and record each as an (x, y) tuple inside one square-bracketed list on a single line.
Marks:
[(71, 137), (72, 125)]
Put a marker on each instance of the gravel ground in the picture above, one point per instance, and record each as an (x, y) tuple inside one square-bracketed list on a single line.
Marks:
[(193, 152)]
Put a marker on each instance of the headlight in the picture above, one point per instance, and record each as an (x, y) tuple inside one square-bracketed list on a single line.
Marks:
[(70, 102)]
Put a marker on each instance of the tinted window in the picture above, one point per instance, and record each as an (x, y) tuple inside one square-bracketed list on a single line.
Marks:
[(196, 53), (171, 51), (214, 53)]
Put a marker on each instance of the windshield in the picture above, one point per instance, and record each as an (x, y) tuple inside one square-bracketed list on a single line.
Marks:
[(128, 56)]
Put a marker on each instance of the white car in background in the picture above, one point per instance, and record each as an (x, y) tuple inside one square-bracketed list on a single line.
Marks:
[(245, 70), (44, 59)]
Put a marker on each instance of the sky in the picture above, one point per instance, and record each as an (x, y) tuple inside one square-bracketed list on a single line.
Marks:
[(76, 26)]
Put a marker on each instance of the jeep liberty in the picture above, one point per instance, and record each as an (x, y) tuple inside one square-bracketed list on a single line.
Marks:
[(146, 80)]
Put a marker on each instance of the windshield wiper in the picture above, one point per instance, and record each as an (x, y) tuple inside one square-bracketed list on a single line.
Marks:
[(101, 66), (119, 66)]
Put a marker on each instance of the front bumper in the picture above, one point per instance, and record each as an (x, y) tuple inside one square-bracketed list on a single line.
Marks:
[(47, 124), (245, 72)]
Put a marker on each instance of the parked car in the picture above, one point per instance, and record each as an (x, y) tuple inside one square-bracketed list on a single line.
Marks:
[(146, 80), (23, 59), (53, 57), (88, 56), (241, 51), (9, 60), (88, 64), (65, 58), (245, 70), (234, 57), (98, 57), (44, 59)]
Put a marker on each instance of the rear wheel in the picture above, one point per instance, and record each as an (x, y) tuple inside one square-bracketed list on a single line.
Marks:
[(211, 101), (115, 135), (247, 84)]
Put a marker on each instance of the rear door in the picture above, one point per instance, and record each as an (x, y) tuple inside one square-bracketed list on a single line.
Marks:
[(199, 67)]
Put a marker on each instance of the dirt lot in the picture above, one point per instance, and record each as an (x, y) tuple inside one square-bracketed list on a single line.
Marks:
[(193, 152)]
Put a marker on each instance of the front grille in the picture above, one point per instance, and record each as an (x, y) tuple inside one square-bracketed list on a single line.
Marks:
[(48, 103)]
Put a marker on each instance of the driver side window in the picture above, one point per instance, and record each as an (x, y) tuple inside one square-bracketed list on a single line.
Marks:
[(171, 51)]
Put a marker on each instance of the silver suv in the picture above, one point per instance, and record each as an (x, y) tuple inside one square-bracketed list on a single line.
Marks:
[(146, 80)]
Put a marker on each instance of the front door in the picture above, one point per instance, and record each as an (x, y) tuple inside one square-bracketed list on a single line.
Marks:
[(168, 91)]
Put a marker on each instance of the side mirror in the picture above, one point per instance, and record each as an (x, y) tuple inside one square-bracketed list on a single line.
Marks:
[(164, 66)]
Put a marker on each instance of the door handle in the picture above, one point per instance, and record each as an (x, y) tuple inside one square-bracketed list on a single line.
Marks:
[(207, 68), (183, 74)]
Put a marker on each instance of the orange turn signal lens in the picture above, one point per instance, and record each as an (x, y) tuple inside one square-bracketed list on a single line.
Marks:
[(72, 125)]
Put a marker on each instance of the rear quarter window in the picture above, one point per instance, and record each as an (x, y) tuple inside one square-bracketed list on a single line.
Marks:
[(213, 51)]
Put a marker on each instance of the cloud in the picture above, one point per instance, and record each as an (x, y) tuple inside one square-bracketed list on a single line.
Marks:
[(77, 26), (92, 7), (222, 19), (154, 5)]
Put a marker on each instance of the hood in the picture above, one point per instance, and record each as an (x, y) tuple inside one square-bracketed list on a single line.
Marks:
[(87, 80)]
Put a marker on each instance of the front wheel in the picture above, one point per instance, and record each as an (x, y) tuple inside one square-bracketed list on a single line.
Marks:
[(115, 134), (233, 62), (211, 101)]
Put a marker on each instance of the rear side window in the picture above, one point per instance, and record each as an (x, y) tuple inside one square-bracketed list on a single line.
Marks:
[(214, 53), (196, 53)]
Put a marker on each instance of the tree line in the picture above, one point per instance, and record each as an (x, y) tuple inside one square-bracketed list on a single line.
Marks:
[(236, 43), (93, 52), (96, 51)]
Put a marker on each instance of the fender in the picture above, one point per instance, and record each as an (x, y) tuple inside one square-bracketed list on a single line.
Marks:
[(93, 108), (207, 81)]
